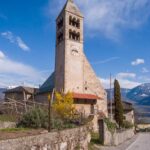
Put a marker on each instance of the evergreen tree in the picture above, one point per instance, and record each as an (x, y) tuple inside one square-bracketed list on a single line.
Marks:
[(118, 104)]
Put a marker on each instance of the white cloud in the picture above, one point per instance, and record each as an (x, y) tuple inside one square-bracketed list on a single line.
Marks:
[(126, 80), (2, 55), (21, 44), (8, 35), (105, 61), (109, 17), (9, 66), (144, 79), (16, 73), (145, 70), (15, 40), (138, 61), (124, 83), (123, 75)]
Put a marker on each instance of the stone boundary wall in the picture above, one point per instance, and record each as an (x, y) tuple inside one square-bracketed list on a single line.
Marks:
[(70, 139), (116, 138), (121, 137), (4, 125)]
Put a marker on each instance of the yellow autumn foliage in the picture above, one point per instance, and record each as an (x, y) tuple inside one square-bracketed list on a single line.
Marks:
[(63, 105)]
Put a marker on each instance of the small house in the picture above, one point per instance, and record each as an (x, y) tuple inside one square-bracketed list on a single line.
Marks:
[(20, 93), (127, 109)]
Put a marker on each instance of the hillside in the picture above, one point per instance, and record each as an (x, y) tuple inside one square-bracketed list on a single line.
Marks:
[(140, 94), (2, 94), (123, 93), (145, 101), (140, 98)]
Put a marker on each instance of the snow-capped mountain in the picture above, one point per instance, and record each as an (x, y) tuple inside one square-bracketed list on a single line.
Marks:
[(140, 98), (140, 94), (124, 92)]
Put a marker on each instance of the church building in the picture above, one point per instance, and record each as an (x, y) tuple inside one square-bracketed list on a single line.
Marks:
[(73, 72)]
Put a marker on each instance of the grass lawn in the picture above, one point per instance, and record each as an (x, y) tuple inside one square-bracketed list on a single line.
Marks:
[(13, 133), (8, 118)]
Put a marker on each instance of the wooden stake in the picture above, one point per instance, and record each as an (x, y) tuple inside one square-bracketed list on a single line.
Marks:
[(50, 101), (49, 114)]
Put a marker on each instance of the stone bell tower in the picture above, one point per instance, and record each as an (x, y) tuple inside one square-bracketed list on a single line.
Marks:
[(69, 49), (73, 71)]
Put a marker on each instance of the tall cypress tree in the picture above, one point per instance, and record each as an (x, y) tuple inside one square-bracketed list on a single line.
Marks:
[(118, 104)]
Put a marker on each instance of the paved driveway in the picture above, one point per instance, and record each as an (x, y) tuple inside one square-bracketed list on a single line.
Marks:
[(141, 143)]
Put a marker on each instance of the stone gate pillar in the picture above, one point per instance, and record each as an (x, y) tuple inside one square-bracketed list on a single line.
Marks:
[(101, 130)]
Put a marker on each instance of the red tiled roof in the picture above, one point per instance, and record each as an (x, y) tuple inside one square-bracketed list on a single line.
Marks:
[(85, 96)]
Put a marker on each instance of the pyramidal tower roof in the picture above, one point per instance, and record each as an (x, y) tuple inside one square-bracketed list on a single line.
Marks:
[(71, 7)]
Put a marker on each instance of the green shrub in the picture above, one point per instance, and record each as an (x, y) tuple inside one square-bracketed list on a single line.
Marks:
[(95, 139), (144, 130), (110, 125), (35, 118), (38, 118), (127, 125), (6, 118), (60, 124), (14, 129)]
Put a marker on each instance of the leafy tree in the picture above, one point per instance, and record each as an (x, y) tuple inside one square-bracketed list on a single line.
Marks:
[(63, 106), (118, 104)]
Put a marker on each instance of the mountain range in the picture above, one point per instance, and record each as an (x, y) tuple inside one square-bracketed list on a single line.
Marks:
[(140, 98), (2, 94), (124, 93), (139, 95)]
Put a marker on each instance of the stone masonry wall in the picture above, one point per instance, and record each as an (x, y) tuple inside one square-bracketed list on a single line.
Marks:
[(70, 139), (95, 87), (4, 125), (117, 137)]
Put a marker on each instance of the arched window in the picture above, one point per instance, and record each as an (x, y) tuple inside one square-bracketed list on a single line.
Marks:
[(70, 20), (78, 23), (78, 36), (74, 36), (59, 37), (70, 35), (60, 23), (74, 22)]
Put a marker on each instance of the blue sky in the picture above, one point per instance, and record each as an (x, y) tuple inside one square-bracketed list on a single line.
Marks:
[(116, 40)]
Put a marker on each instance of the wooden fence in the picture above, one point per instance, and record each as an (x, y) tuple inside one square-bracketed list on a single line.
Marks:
[(19, 107)]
